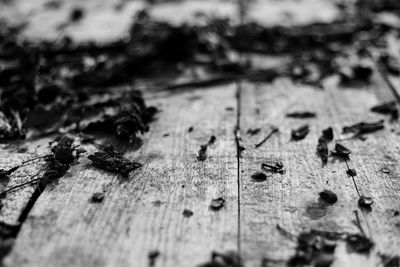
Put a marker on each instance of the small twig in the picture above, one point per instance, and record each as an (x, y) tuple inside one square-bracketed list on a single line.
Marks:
[(274, 130), (358, 223)]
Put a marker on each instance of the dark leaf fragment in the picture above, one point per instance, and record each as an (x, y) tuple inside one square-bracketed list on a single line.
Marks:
[(365, 202), (259, 176), (98, 197), (364, 127), (390, 261), (327, 134), (113, 161), (273, 165), (341, 151), (253, 131), (328, 196), (187, 213), (322, 146), (322, 150), (388, 108), (217, 203), (301, 115), (351, 172), (359, 243), (202, 156), (153, 255), (300, 133)]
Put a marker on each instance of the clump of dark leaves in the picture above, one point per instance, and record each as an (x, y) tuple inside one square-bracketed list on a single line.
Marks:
[(131, 117), (113, 161)]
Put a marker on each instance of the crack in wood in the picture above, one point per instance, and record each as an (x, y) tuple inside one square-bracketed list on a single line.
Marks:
[(238, 151)]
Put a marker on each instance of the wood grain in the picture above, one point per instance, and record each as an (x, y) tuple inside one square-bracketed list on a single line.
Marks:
[(144, 212), (285, 199)]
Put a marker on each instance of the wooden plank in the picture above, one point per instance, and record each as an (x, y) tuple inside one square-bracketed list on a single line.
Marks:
[(144, 213), (286, 199)]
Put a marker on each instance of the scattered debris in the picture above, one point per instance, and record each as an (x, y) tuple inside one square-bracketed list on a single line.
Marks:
[(328, 196), (273, 165), (187, 213), (111, 160), (301, 115), (273, 130), (217, 203), (300, 133)]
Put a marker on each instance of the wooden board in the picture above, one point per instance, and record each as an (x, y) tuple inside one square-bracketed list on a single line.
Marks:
[(144, 213), (287, 199)]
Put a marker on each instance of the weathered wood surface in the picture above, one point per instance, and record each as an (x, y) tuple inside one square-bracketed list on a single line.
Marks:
[(291, 199), (144, 213)]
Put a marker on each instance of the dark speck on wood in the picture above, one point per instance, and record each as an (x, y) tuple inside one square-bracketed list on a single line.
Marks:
[(187, 213), (259, 176), (301, 115), (97, 197), (351, 172)]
